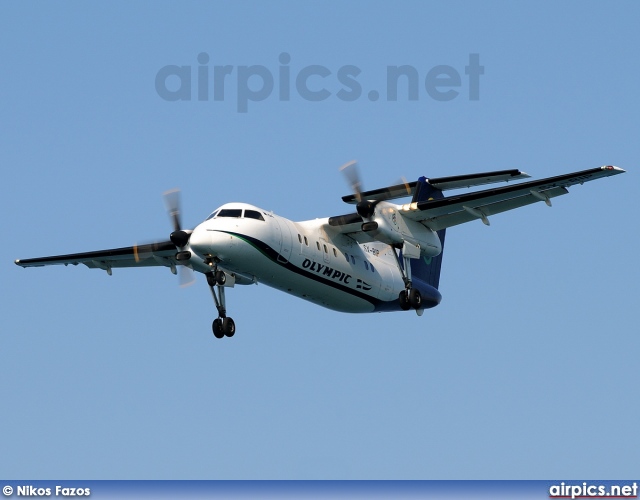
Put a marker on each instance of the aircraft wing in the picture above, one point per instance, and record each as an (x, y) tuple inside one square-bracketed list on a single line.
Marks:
[(153, 254), (454, 210)]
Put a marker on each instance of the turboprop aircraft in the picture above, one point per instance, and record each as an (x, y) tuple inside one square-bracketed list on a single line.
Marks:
[(381, 257)]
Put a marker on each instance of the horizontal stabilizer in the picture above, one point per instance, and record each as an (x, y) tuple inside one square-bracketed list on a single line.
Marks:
[(442, 183), (386, 193), (470, 180)]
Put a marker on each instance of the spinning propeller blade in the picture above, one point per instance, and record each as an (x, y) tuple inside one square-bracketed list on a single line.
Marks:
[(179, 237), (172, 202), (350, 171), (186, 276), (365, 208)]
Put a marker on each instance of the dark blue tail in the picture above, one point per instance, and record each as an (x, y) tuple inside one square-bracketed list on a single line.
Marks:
[(427, 270)]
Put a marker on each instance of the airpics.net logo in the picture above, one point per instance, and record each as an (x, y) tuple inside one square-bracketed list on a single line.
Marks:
[(208, 81), (588, 490)]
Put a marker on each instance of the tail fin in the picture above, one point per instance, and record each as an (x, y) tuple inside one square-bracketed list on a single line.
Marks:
[(428, 269)]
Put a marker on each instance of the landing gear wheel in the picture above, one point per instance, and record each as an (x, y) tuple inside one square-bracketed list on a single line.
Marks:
[(404, 300), (211, 279), (228, 327), (221, 278), (217, 327), (415, 299)]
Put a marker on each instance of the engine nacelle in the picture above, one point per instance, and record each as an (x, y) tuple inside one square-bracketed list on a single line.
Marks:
[(391, 227)]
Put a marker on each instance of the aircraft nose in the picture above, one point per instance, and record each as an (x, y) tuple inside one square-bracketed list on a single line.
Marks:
[(200, 242)]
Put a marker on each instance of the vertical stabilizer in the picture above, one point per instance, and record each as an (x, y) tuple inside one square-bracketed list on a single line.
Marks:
[(425, 269)]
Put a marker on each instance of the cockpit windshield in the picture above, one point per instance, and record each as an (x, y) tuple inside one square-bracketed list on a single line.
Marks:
[(253, 214), (236, 213), (230, 212)]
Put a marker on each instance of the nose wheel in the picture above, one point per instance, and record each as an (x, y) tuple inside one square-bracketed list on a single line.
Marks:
[(222, 326)]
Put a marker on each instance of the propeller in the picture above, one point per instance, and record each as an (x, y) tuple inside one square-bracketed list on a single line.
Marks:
[(172, 201), (350, 171), (365, 208), (179, 237)]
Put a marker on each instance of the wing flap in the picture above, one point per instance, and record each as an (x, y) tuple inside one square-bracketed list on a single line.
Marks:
[(468, 215)]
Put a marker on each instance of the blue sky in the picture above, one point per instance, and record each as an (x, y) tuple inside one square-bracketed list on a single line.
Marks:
[(528, 368)]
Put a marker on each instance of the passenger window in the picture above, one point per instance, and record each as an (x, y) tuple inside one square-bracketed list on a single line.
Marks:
[(230, 212), (252, 214)]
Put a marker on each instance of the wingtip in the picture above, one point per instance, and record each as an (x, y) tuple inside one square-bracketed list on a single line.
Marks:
[(613, 167)]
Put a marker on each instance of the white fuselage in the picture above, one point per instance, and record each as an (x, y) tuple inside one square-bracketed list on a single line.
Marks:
[(306, 259)]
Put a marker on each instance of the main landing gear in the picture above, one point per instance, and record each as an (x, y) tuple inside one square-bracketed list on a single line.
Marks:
[(410, 297), (222, 326)]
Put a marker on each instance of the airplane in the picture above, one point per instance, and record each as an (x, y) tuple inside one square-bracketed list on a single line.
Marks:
[(381, 257)]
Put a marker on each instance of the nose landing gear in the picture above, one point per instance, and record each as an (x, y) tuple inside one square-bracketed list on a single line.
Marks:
[(222, 326)]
